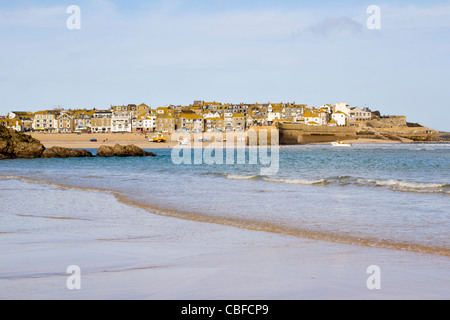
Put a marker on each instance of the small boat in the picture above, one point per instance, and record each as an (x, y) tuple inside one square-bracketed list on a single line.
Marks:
[(203, 139), (93, 140), (183, 142), (341, 143), (158, 138)]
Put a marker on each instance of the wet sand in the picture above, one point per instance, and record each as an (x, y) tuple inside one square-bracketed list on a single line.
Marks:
[(157, 257)]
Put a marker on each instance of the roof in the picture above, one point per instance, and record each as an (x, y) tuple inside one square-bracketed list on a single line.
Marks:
[(190, 116), (165, 116), (309, 114)]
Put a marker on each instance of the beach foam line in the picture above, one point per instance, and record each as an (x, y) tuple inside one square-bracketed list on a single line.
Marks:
[(50, 217), (407, 186), (241, 177), (273, 227), (391, 184), (54, 184), (250, 224), (297, 181)]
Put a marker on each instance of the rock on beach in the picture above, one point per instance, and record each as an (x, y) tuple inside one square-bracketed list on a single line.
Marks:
[(16, 145), (123, 151)]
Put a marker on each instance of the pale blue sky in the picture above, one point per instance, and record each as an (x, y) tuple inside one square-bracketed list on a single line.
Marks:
[(176, 51)]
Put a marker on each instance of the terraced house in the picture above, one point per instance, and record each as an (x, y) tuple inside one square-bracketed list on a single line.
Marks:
[(144, 123), (45, 121), (190, 122), (121, 119), (165, 123), (14, 123), (66, 122), (213, 124), (101, 121), (83, 120)]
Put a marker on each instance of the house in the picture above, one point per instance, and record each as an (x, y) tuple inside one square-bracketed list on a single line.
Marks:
[(339, 118), (12, 123), (25, 117), (228, 122), (101, 121), (45, 121), (312, 118), (239, 122), (142, 109), (82, 120), (165, 123), (190, 122), (273, 112), (150, 123), (144, 123), (343, 107), (213, 124), (121, 119), (65, 121), (360, 115)]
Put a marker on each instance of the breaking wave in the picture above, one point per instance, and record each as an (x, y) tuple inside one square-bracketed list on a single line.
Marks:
[(391, 184), (241, 177), (257, 224), (297, 181)]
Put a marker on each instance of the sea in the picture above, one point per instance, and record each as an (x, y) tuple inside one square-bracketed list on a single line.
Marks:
[(393, 196)]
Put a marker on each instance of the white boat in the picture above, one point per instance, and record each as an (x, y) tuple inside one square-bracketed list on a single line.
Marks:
[(340, 144), (183, 142)]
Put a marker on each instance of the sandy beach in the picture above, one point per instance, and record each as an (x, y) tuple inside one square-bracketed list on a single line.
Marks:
[(82, 141), (156, 257)]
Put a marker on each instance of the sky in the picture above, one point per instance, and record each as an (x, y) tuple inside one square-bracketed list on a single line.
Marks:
[(177, 51)]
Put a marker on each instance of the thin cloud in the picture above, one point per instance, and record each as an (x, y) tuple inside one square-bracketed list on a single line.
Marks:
[(332, 27)]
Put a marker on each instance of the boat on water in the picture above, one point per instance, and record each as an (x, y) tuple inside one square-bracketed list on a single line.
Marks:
[(341, 143)]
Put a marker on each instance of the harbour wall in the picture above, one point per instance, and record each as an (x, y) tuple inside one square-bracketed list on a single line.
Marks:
[(293, 133)]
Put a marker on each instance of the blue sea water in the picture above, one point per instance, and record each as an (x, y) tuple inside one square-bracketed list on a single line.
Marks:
[(392, 196)]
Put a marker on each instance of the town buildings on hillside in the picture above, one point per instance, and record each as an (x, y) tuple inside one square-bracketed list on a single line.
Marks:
[(201, 116)]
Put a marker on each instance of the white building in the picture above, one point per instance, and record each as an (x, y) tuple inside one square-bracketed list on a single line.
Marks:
[(273, 113), (45, 120), (340, 118), (228, 122), (343, 107), (144, 123), (121, 121), (314, 117)]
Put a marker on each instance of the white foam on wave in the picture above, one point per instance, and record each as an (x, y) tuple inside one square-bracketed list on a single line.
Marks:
[(407, 185), (295, 181), (240, 177)]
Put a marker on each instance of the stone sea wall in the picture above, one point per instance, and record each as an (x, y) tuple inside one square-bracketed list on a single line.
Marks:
[(291, 133)]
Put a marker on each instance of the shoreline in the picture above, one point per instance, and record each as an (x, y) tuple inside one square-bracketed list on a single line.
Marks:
[(160, 257), (82, 141)]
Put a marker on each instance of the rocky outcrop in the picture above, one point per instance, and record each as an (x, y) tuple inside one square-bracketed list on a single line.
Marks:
[(15, 145), (59, 152), (123, 151)]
